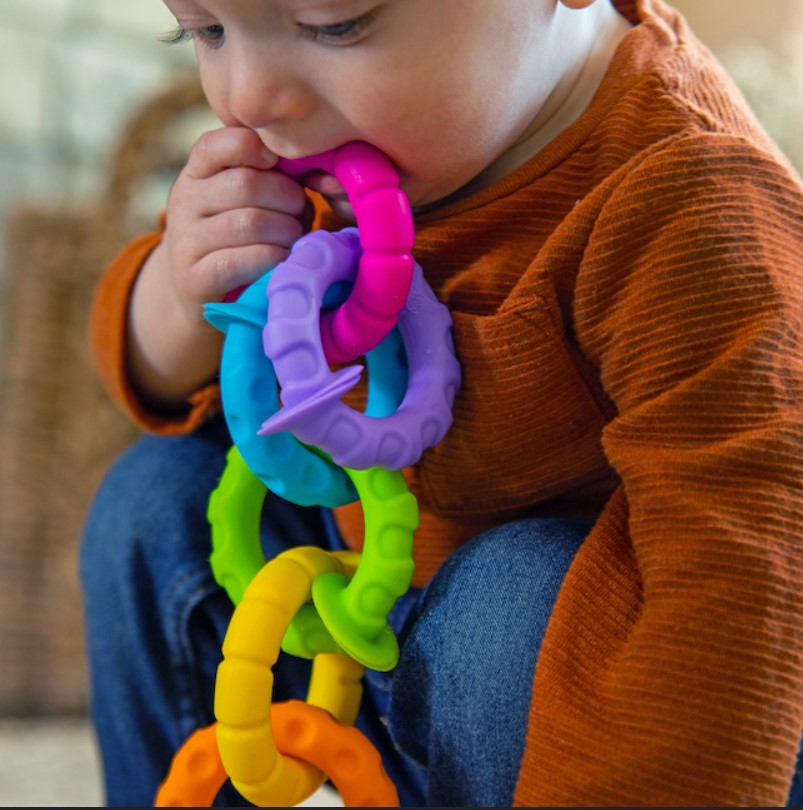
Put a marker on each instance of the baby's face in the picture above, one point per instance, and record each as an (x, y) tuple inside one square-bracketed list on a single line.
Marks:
[(443, 87)]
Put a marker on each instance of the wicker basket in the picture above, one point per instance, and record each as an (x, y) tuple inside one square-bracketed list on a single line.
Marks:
[(58, 430)]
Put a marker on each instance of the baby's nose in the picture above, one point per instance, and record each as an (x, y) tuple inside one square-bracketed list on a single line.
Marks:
[(262, 93)]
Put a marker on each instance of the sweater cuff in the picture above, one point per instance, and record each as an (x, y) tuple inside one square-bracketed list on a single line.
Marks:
[(108, 327)]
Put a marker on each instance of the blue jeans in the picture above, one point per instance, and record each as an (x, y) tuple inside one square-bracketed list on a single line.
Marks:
[(449, 720)]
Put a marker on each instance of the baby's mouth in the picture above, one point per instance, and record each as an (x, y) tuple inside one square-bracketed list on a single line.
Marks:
[(324, 183)]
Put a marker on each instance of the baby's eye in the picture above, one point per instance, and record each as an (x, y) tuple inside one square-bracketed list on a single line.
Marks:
[(208, 34), (342, 33)]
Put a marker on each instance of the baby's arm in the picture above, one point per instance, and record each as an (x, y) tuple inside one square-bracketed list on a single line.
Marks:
[(229, 219)]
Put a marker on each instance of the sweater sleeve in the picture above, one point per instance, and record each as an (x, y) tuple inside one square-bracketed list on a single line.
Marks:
[(672, 669), (108, 326)]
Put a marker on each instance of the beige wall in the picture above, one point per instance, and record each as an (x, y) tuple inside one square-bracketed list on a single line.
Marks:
[(760, 42), (723, 23), (71, 72)]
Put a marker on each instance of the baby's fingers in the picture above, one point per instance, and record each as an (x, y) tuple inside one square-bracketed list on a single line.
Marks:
[(244, 187), (251, 226), (230, 268), (226, 148)]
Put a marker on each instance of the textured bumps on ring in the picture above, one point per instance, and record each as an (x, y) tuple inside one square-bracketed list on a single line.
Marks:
[(311, 391), (385, 221)]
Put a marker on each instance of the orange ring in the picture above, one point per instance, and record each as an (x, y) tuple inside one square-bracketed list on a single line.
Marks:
[(302, 731), (196, 773), (342, 752)]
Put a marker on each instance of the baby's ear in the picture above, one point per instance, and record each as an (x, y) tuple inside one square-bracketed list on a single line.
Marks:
[(578, 3)]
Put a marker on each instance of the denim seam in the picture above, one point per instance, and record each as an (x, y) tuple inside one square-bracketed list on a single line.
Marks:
[(180, 604)]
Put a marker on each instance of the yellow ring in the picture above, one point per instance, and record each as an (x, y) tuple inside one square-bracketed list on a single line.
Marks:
[(244, 683)]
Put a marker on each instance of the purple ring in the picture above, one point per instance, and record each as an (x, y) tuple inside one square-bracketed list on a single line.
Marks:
[(310, 390)]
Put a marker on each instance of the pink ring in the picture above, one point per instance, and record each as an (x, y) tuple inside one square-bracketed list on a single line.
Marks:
[(385, 271)]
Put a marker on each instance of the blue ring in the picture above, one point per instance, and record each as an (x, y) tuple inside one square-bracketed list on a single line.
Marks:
[(249, 391)]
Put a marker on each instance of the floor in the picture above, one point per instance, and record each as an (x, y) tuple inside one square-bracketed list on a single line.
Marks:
[(54, 763), (48, 763)]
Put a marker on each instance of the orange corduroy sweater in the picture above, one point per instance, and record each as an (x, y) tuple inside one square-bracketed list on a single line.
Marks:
[(628, 315)]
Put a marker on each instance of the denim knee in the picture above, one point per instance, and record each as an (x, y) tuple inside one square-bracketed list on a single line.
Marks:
[(151, 498), (461, 691)]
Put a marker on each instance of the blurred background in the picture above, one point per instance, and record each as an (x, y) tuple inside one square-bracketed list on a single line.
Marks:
[(96, 115)]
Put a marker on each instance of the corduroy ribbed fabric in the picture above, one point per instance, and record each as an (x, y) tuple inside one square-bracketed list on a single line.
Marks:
[(628, 313)]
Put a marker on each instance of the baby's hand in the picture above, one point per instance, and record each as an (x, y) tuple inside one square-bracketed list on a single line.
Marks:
[(230, 217)]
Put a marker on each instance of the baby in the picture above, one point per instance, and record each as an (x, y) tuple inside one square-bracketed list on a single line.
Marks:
[(608, 606)]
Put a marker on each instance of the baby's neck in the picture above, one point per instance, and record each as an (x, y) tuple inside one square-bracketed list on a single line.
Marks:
[(574, 93), (603, 30)]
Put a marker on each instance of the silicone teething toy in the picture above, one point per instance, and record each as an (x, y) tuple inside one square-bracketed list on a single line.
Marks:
[(353, 613), (244, 681), (317, 732), (196, 773), (385, 220), (248, 390), (303, 731), (330, 607), (310, 391)]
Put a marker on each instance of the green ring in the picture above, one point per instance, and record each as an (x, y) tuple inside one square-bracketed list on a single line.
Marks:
[(233, 511), (353, 612)]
